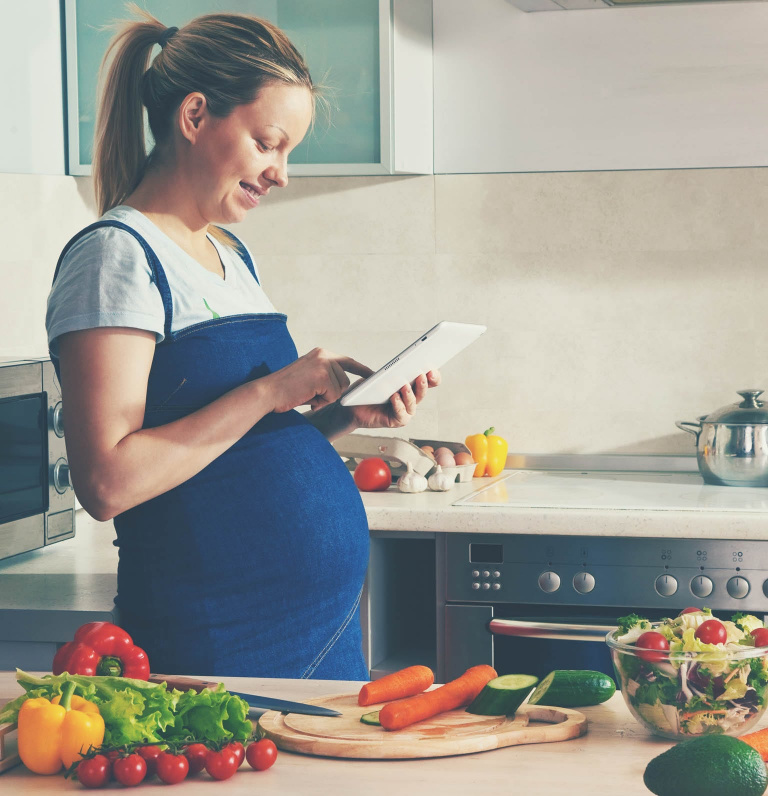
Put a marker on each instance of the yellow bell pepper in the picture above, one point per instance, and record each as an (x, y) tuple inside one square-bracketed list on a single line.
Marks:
[(489, 452), (53, 733)]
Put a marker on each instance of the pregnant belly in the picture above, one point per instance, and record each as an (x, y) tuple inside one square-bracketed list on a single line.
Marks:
[(277, 513)]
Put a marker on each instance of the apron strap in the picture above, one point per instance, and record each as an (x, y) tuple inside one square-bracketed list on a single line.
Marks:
[(158, 274), (242, 251)]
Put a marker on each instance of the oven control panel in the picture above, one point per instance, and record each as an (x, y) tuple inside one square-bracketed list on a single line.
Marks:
[(720, 574)]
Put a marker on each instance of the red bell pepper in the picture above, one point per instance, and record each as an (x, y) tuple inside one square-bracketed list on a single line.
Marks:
[(104, 649)]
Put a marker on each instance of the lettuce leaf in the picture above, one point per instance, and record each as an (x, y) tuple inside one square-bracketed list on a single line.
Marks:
[(135, 710)]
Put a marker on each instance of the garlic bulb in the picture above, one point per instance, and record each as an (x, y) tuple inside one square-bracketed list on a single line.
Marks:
[(440, 481), (411, 481)]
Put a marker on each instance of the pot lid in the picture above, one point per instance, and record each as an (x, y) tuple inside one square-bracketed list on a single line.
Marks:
[(750, 411)]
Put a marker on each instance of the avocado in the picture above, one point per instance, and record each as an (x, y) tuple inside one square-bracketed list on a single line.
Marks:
[(712, 765)]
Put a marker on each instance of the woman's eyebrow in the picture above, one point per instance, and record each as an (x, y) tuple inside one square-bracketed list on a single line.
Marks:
[(287, 137)]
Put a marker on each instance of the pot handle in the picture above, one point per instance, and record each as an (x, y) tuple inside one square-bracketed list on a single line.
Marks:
[(682, 425)]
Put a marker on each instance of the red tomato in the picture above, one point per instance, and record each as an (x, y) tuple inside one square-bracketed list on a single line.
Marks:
[(711, 632), (690, 611), (94, 772), (150, 755), (239, 751), (130, 770), (221, 764), (196, 754), (373, 475), (652, 646), (261, 754), (760, 635), (172, 769)]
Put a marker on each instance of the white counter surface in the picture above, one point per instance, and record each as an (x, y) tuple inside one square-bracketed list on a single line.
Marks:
[(608, 760), (583, 504)]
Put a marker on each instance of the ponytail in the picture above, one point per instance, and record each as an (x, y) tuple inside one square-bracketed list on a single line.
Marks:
[(119, 152)]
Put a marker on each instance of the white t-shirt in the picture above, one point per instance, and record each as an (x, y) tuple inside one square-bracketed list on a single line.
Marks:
[(105, 280)]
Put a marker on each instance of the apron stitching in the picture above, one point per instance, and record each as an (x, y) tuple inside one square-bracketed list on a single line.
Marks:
[(309, 671)]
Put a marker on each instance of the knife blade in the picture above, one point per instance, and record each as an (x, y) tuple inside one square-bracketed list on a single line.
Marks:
[(254, 700)]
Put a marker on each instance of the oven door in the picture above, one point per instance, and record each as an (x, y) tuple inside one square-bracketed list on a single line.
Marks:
[(515, 640)]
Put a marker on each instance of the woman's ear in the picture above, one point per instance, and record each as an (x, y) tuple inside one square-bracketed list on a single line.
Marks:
[(192, 113)]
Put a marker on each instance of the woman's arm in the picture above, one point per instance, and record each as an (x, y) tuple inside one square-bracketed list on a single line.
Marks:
[(115, 463)]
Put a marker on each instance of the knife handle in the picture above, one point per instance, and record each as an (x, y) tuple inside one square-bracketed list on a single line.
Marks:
[(182, 683)]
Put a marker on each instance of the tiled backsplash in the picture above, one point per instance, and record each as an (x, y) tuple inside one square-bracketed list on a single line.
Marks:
[(617, 302)]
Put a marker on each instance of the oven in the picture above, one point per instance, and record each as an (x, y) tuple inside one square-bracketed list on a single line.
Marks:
[(529, 604), (37, 502)]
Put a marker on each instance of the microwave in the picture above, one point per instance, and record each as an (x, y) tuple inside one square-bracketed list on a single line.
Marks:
[(37, 501)]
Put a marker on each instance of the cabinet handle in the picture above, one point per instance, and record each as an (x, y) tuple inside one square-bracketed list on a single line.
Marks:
[(551, 630)]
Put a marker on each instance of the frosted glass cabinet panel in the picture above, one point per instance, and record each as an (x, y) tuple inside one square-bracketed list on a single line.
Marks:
[(376, 121)]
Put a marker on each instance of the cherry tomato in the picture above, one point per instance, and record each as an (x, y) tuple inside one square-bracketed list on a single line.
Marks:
[(711, 632), (94, 772), (261, 754), (690, 610), (130, 770), (373, 475), (760, 635), (652, 646), (196, 754), (239, 751), (221, 764), (150, 755), (172, 769)]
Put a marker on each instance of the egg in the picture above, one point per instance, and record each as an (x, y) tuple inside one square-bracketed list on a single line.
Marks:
[(445, 459), (443, 449), (464, 458), (429, 450)]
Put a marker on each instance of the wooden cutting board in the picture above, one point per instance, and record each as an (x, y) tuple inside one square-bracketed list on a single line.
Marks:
[(454, 733)]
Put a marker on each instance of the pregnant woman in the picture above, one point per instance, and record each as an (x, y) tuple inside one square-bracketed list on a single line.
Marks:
[(243, 541)]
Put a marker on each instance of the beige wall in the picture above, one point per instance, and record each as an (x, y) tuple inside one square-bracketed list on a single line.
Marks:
[(617, 302)]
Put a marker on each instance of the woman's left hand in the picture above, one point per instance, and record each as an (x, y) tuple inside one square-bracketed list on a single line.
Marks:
[(401, 406)]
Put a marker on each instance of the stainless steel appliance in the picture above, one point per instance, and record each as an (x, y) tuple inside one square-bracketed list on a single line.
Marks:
[(37, 502), (530, 603)]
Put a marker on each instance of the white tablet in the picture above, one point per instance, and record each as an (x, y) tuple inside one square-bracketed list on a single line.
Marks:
[(429, 352)]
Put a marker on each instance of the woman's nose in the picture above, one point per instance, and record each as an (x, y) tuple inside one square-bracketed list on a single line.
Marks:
[(278, 173)]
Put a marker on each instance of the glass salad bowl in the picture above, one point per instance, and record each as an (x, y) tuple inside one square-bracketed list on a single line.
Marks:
[(692, 687)]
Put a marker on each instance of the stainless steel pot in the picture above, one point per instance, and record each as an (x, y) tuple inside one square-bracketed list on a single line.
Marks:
[(732, 443)]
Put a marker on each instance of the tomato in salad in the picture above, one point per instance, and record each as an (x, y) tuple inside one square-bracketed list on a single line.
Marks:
[(712, 632), (652, 646)]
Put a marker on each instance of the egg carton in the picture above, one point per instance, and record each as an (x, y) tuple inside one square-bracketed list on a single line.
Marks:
[(398, 453)]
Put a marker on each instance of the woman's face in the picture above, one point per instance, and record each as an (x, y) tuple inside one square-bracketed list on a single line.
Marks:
[(235, 160)]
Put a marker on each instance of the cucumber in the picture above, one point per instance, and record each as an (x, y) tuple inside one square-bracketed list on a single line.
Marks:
[(504, 695), (573, 688), (371, 718)]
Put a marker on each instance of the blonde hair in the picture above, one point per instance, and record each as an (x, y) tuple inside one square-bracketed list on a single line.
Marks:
[(227, 57)]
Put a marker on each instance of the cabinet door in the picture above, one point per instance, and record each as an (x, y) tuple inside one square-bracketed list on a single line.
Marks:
[(349, 46)]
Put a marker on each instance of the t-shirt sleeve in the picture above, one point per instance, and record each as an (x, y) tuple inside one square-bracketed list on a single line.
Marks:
[(104, 280)]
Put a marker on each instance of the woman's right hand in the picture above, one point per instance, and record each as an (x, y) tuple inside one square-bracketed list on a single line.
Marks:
[(317, 378)]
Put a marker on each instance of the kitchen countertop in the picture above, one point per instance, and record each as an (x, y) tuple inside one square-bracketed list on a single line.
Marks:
[(608, 760)]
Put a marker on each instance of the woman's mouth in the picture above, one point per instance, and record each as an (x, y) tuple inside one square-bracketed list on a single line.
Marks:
[(250, 193)]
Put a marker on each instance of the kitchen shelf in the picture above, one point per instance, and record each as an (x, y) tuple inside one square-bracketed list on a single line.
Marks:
[(400, 614)]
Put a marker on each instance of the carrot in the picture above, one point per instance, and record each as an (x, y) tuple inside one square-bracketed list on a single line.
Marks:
[(405, 683), (759, 741), (461, 691)]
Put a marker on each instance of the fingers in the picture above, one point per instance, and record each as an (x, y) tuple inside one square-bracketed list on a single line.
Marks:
[(434, 378), (353, 366)]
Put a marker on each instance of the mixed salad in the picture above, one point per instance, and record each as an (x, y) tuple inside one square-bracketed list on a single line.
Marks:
[(694, 674)]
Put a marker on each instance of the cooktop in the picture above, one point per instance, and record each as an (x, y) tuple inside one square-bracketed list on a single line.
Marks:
[(618, 491)]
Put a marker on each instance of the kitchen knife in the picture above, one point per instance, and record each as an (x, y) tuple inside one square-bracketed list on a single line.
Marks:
[(254, 700)]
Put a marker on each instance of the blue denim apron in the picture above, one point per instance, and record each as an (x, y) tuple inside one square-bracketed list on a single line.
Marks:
[(253, 567)]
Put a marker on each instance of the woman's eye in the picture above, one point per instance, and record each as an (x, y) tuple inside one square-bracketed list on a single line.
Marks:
[(263, 147)]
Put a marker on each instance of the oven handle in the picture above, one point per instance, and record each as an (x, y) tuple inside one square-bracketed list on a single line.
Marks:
[(550, 630)]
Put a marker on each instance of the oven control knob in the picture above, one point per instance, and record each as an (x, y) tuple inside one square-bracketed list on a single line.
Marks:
[(549, 581), (57, 420), (666, 585), (738, 587), (61, 476), (583, 582), (702, 586)]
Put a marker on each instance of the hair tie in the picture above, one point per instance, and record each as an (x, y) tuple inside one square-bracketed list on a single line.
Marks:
[(165, 35)]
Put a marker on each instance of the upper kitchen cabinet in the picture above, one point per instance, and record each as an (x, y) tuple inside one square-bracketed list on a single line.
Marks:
[(657, 87), (373, 58)]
